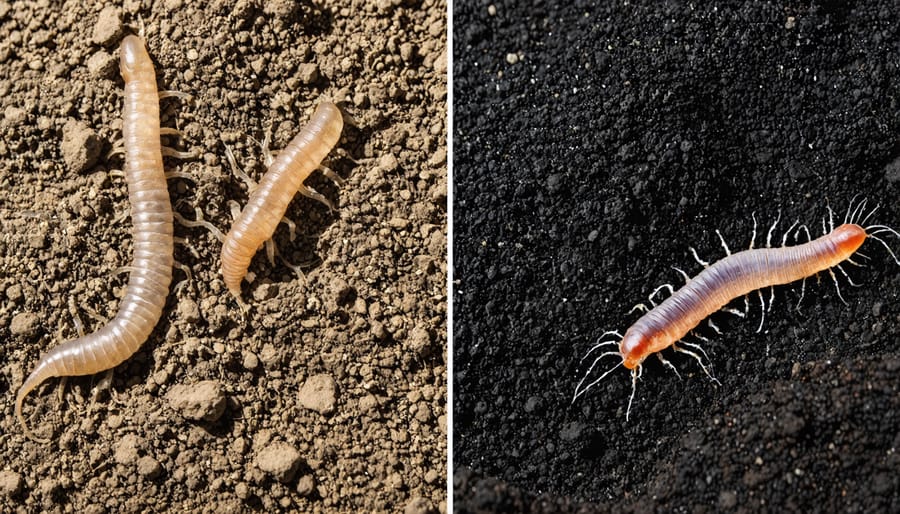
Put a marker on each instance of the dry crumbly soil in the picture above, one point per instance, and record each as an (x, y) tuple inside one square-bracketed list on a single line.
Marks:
[(330, 394), (594, 143)]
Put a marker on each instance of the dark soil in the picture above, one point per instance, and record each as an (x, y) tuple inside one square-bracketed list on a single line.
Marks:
[(593, 144), (330, 394)]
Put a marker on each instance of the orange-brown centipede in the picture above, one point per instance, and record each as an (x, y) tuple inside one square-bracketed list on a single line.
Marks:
[(666, 324)]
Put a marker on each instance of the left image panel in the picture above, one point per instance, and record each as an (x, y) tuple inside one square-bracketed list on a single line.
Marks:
[(223, 257)]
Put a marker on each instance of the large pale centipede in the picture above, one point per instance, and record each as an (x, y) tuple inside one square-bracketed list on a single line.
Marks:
[(151, 214), (269, 200), (718, 284)]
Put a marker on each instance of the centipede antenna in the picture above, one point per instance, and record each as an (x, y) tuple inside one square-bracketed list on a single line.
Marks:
[(787, 233), (697, 358), (669, 365), (882, 228), (866, 219), (771, 229), (713, 326), (888, 248), (858, 210), (837, 287), (847, 217), (762, 304), (586, 388), (598, 345), (724, 244), (850, 280), (697, 257), (753, 237), (635, 375), (683, 274)]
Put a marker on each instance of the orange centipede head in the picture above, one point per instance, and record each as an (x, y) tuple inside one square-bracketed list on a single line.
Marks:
[(634, 348), (849, 237)]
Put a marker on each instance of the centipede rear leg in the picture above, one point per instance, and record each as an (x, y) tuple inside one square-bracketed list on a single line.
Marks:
[(696, 357)]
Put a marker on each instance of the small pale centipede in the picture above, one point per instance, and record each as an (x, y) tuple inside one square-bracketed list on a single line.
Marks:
[(151, 214), (269, 200), (736, 275)]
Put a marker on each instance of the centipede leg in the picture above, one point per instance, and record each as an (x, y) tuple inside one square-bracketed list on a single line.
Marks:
[(697, 257), (850, 280), (189, 277), (168, 151), (669, 365), (724, 244), (315, 195), (635, 375), (199, 222), (658, 289), (784, 238), (697, 358), (167, 93), (762, 303), (683, 274), (639, 307), (837, 287), (753, 237), (328, 172), (270, 251), (713, 326), (117, 149), (771, 229)]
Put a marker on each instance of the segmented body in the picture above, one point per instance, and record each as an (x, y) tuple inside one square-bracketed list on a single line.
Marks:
[(730, 278), (151, 214), (668, 323), (270, 200)]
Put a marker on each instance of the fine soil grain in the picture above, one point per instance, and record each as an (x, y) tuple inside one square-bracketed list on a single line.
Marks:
[(329, 394), (594, 143)]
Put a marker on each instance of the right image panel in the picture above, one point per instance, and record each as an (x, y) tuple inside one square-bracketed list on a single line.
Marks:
[(676, 272)]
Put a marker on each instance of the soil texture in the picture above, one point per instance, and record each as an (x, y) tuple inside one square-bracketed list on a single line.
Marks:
[(594, 144), (329, 394)]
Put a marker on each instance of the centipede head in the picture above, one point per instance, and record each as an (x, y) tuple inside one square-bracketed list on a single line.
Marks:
[(634, 348)]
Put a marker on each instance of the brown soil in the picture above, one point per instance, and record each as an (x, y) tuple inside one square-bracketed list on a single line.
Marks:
[(330, 395)]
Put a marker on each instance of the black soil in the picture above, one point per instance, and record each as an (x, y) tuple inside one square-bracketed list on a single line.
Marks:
[(593, 146)]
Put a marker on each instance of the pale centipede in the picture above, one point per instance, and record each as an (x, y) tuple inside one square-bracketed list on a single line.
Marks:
[(666, 324), (151, 214), (269, 200)]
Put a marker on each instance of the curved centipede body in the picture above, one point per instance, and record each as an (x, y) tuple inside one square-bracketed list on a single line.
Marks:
[(151, 214), (718, 284), (270, 200)]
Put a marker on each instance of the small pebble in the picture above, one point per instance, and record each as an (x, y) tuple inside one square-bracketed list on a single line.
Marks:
[(201, 401), (318, 394), (280, 460)]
